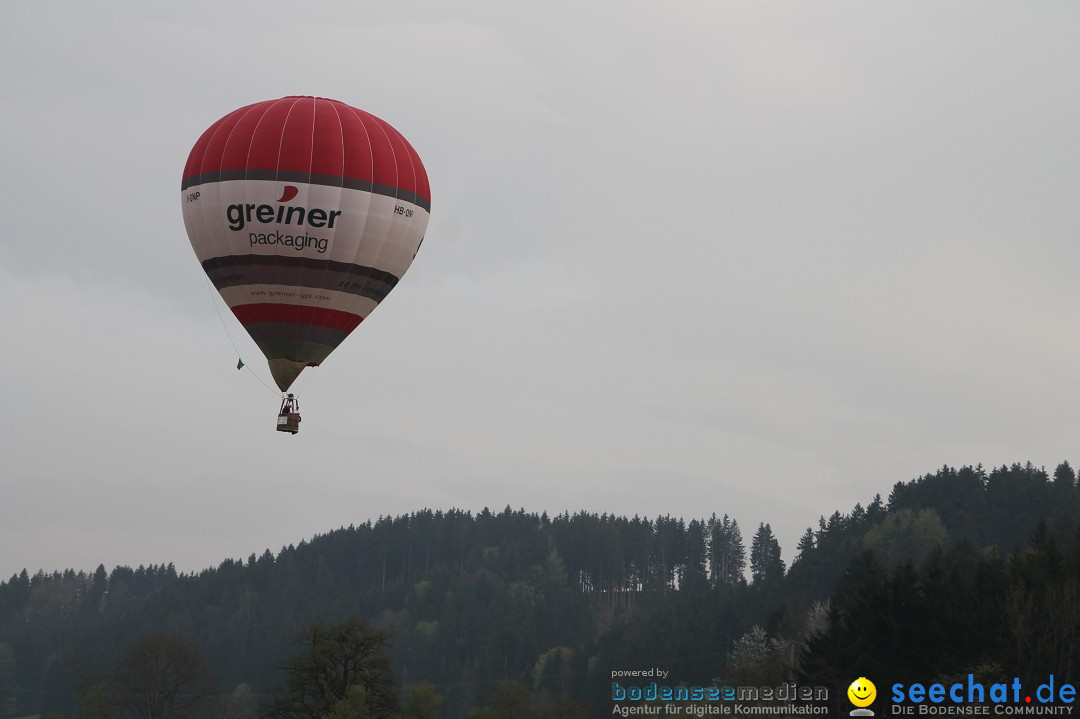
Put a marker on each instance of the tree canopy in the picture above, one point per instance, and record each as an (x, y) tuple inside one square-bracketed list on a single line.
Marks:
[(342, 670), (465, 601)]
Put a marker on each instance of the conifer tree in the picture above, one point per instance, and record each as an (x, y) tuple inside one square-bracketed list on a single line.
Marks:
[(766, 564)]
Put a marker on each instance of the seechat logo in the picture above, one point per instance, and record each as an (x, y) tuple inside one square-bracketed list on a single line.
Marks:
[(862, 694)]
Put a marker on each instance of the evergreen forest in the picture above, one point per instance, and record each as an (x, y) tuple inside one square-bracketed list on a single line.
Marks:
[(512, 613)]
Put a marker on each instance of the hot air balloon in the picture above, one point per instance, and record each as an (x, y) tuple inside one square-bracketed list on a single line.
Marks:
[(304, 213)]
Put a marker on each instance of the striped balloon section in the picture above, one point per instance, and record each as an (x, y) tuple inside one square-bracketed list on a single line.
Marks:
[(304, 212)]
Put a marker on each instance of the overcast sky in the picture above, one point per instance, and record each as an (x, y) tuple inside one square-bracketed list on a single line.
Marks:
[(756, 258)]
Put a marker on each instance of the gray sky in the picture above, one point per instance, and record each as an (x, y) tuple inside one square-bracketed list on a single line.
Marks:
[(756, 258)]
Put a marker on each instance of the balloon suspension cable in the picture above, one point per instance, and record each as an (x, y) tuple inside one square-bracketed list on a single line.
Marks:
[(221, 319), (302, 383)]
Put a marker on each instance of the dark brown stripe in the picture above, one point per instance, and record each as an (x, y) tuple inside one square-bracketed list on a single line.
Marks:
[(235, 270), (293, 333), (311, 179)]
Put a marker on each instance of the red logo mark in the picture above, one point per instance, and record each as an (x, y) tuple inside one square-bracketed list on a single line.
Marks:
[(288, 193)]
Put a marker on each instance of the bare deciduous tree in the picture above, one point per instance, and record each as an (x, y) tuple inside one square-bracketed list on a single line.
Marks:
[(163, 677)]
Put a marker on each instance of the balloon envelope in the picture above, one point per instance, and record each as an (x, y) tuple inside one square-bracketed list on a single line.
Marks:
[(304, 212)]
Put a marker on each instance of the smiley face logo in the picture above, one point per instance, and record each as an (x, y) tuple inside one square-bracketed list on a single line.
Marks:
[(862, 692)]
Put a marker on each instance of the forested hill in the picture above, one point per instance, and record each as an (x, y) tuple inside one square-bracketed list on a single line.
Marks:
[(554, 603)]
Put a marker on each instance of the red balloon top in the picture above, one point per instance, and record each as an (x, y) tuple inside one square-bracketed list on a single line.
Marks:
[(309, 139)]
